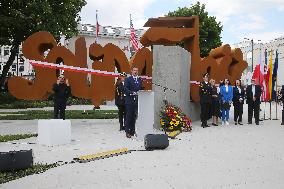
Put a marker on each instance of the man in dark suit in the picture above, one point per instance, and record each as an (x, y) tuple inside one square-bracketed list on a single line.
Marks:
[(205, 100), (253, 93), (132, 85), (62, 91)]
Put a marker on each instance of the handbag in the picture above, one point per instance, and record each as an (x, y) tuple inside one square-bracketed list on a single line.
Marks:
[(226, 105)]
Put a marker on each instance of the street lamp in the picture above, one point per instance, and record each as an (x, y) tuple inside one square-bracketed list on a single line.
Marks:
[(252, 43)]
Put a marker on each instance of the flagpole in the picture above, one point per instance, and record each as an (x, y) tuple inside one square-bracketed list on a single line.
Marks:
[(130, 37), (276, 98), (97, 25)]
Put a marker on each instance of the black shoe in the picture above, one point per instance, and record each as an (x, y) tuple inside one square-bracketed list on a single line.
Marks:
[(257, 123), (249, 122), (236, 123), (240, 123), (282, 123), (214, 124)]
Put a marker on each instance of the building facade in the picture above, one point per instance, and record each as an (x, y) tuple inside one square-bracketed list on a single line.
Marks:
[(258, 54)]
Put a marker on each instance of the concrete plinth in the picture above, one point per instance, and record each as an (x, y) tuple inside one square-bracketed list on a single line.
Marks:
[(54, 132)]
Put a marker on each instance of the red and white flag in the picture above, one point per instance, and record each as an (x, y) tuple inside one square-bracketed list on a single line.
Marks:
[(97, 27), (133, 39), (258, 75)]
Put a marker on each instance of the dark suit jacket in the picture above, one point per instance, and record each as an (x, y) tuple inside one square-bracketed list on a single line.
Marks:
[(237, 95), (205, 91), (119, 95), (61, 93), (250, 95), (130, 87)]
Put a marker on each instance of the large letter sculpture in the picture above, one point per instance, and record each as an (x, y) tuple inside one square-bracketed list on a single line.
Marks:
[(222, 62)]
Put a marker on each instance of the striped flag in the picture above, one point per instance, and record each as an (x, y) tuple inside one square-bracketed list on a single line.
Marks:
[(97, 26), (133, 38), (274, 77), (270, 76)]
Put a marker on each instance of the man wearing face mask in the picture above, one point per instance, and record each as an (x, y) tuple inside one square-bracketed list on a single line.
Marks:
[(253, 93), (205, 100), (62, 91), (132, 85)]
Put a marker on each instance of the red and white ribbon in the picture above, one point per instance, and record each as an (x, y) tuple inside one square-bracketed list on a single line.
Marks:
[(79, 69)]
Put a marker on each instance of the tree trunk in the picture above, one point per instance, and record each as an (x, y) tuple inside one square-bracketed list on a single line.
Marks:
[(6, 68)]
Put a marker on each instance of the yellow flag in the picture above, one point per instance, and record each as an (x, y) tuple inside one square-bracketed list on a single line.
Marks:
[(270, 76)]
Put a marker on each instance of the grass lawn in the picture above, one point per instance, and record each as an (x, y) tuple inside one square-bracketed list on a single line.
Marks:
[(35, 169), (5, 138), (69, 114)]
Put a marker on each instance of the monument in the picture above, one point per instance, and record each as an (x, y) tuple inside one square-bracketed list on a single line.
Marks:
[(222, 62)]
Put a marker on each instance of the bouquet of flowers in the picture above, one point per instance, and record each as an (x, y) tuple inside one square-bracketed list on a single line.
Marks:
[(173, 119)]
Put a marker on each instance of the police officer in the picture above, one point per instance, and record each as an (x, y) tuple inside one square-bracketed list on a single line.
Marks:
[(205, 100), (132, 85), (62, 91), (120, 99)]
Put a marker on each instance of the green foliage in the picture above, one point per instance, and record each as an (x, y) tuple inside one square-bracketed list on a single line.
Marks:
[(7, 101), (5, 138), (209, 29), (35, 169), (70, 114), (21, 18)]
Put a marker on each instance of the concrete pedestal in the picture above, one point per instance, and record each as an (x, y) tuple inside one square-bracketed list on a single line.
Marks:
[(53, 132), (145, 120)]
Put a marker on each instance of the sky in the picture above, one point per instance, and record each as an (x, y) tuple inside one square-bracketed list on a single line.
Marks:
[(254, 19)]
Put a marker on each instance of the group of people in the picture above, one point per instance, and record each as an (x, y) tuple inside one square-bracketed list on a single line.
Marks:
[(126, 99), (216, 101)]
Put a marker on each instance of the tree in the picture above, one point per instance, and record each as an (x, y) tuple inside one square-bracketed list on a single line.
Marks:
[(21, 18), (209, 29)]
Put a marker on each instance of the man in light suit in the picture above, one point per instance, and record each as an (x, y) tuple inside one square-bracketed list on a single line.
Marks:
[(253, 100), (132, 85)]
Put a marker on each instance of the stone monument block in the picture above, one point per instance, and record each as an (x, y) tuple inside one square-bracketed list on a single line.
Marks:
[(171, 69)]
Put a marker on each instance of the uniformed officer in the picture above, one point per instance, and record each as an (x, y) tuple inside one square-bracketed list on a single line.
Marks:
[(132, 85), (120, 99), (205, 100)]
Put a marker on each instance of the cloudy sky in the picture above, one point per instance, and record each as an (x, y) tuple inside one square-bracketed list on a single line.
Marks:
[(258, 19)]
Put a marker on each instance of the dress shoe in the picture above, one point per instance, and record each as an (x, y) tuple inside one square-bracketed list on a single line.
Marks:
[(214, 124), (282, 123), (257, 123), (128, 135), (240, 123), (236, 123), (249, 122)]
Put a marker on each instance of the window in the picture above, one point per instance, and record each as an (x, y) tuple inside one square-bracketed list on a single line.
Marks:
[(21, 69), (6, 52)]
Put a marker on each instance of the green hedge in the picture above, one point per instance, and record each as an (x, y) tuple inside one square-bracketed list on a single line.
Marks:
[(7, 101), (35, 169), (5, 138), (70, 114)]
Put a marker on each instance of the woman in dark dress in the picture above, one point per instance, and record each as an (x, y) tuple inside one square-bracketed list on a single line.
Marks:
[(215, 108), (238, 102), (119, 99)]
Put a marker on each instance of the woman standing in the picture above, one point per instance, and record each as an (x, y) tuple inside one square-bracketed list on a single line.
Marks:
[(119, 99), (238, 101), (227, 96), (215, 108)]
